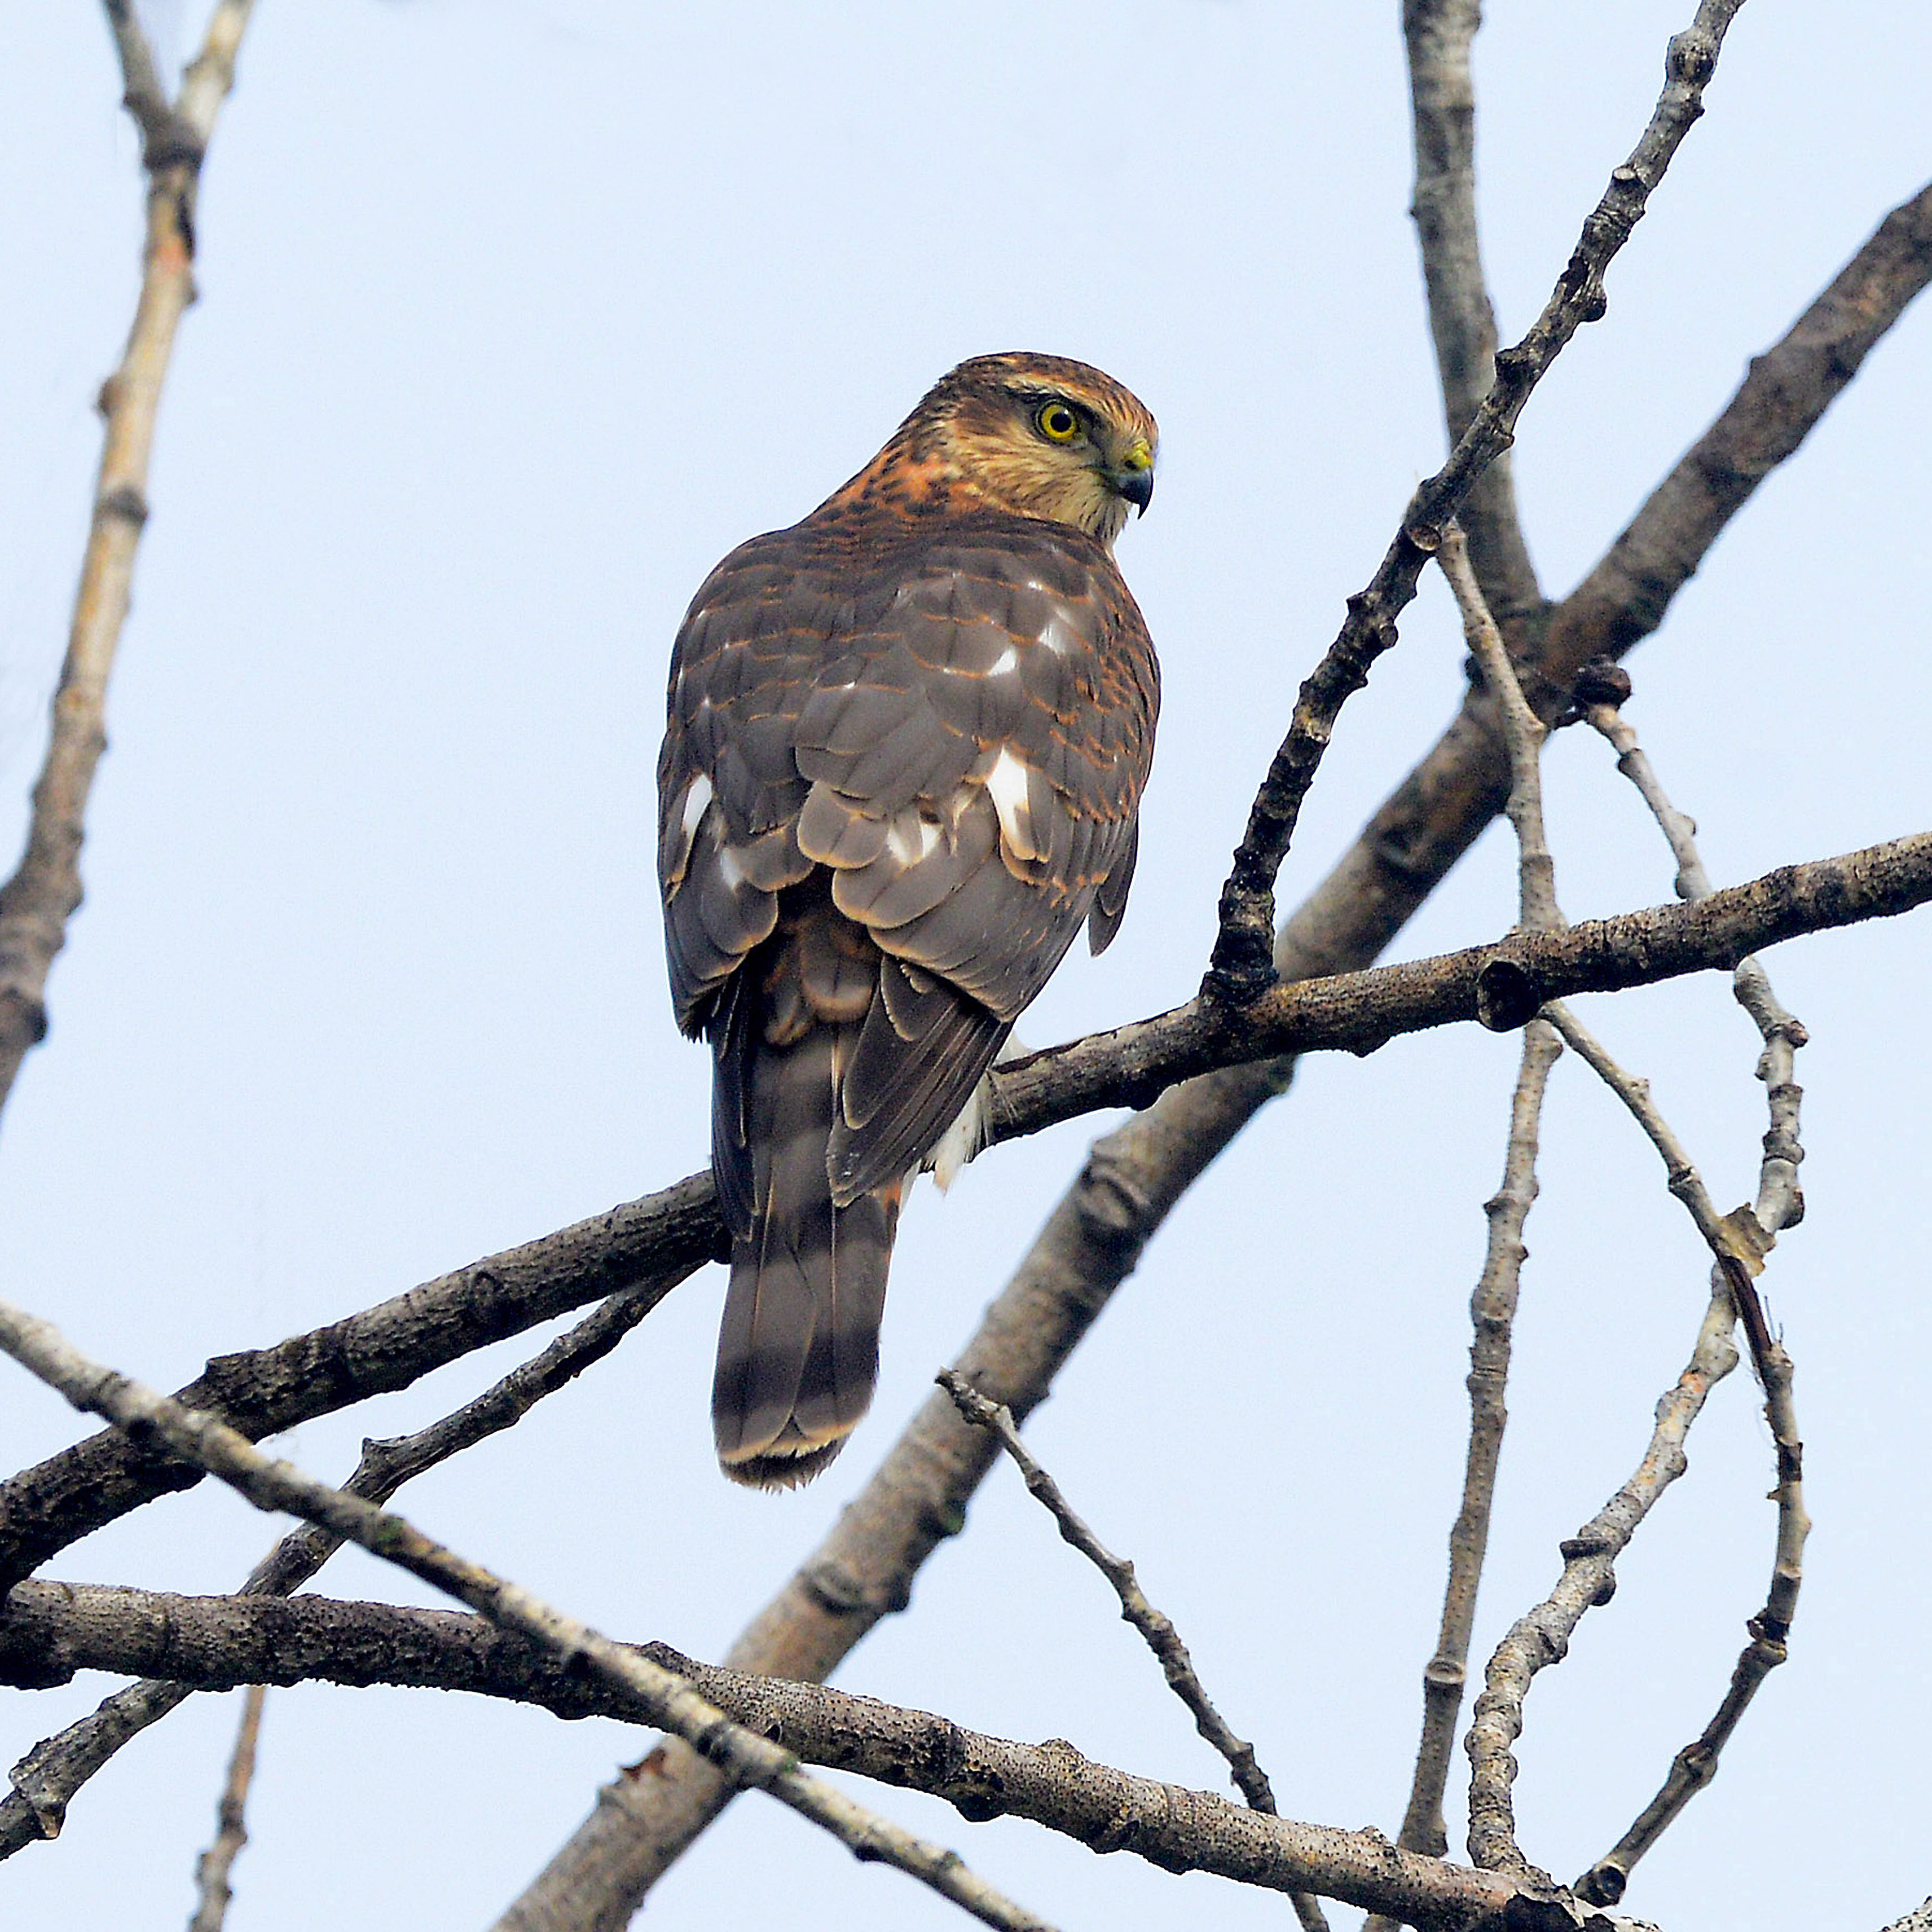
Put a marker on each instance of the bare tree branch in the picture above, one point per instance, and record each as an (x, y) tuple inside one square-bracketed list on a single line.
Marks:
[(1502, 984), (1788, 388), (1158, 1631), (668, 1700), (45, 1781), (1243, 965), (54, 1628), (1493, 1306), (1138, 1172), (37, 902), (1779, 1205), (1735, 1239), (45, 1507), (1462, 322), (650, 1245), (1404, 852), (1523, 735), (1739, 1242), (1541, 1636), (143, 94), (1492, 1314), (212, 1869)]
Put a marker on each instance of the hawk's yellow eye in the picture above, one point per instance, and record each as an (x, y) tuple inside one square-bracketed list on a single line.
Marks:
[(1057, 422)]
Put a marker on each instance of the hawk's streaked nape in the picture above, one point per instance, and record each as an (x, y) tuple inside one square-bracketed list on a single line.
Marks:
[(906, 742)]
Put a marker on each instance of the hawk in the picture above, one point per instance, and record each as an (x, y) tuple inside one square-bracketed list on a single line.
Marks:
[(906, 743)]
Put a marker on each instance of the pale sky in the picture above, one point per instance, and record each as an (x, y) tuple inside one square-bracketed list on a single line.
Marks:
[(513, 318)]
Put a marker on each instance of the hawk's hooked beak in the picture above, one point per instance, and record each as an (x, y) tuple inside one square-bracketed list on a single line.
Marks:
[(1133, 477)]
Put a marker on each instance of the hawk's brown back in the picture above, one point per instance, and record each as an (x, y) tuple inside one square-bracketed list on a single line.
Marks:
[(904, 757)]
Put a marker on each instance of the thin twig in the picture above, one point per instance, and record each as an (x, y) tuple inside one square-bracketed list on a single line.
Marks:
[(1243, 964), (1736, 1239), (1493, 1306), (1492, 1311), (1541, 1636), (1158, 1630), (142, 93), (212, 1869), (1779, 1205), (37, 902), (668, 1700), (44, 1781), (1523, 733)]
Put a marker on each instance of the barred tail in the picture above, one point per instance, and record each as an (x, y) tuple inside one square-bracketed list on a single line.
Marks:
[(798, 1351)]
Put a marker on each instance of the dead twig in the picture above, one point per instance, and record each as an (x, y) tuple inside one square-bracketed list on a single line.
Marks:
[(212, 1869), (1779, 1205), (1493, 1306), (1161, 1636), (37, 902)]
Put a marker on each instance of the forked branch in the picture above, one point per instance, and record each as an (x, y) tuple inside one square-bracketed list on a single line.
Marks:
[(1243, 965)]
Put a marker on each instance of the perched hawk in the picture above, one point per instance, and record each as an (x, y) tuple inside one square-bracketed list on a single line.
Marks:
[(906, 745)]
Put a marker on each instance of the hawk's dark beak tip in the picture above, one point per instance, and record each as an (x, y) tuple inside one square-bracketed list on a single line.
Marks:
[(1137, 487)]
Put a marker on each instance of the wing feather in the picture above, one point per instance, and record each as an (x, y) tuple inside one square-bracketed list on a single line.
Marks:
[(953, 718)]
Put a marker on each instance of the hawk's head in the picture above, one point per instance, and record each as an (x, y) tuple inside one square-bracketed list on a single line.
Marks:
[(1040, 436)]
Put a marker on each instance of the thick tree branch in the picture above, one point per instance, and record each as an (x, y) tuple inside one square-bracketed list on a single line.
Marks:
[(45, 1780), (1788, 388), (1243, 965), (1461, 320), (660, 1695), (650, 1245), (37, 902), (52, 1629), (1502, 985)]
